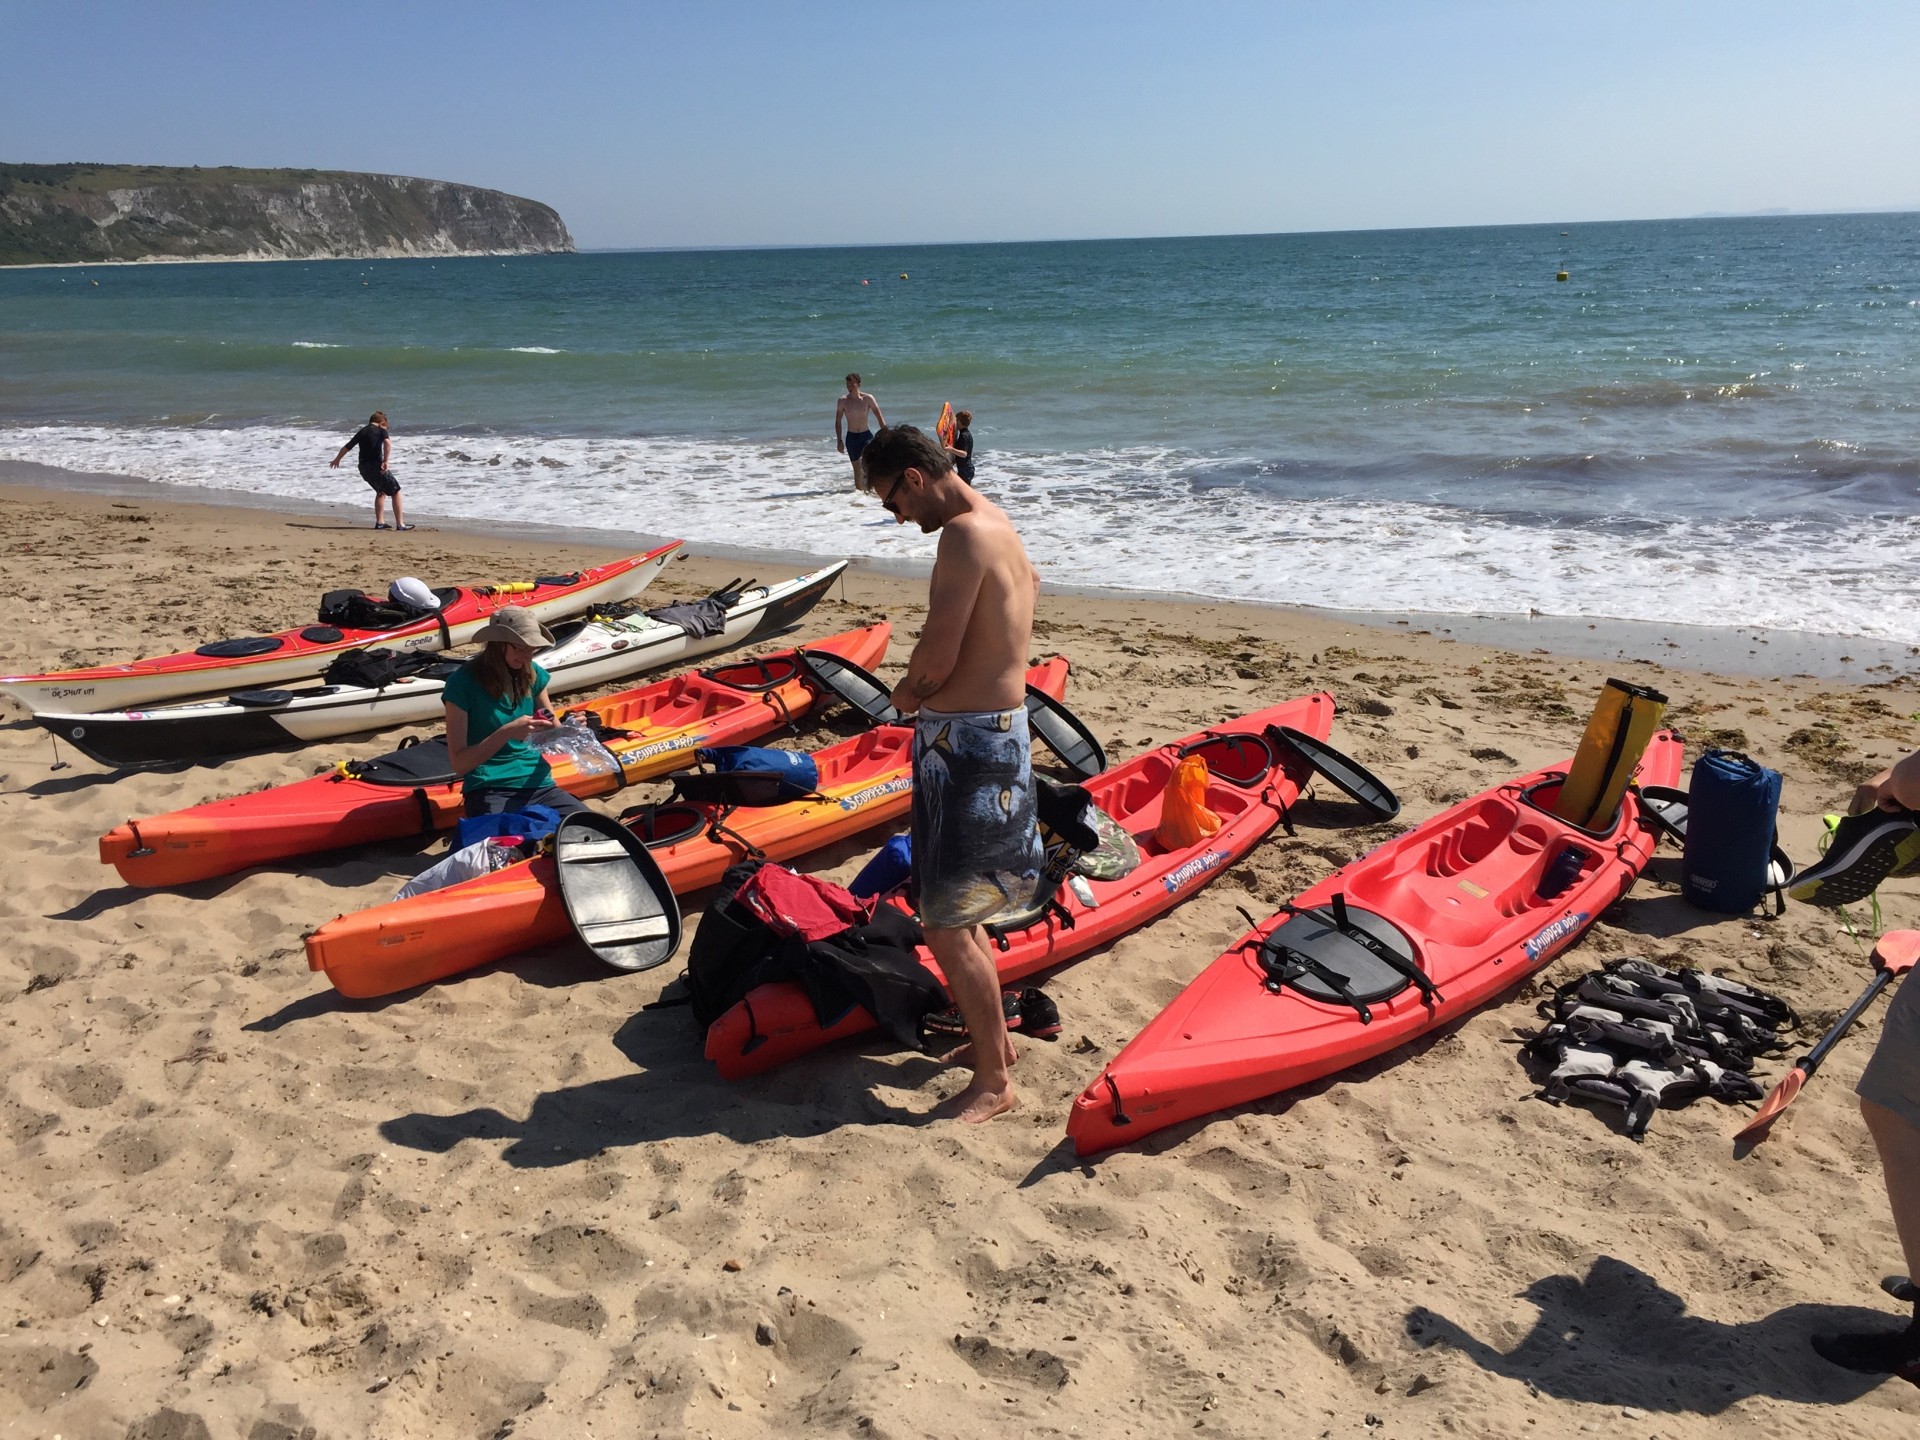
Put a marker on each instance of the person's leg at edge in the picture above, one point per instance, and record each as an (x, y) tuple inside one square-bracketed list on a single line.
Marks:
[(975, 986), (1899, 1145), (399, 520), (379, 508)]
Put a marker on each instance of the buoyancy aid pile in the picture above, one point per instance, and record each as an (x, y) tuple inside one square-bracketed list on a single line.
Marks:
[(1640, 1036)]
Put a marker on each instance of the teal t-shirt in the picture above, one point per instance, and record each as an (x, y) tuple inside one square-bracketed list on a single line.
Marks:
[(516, 765)]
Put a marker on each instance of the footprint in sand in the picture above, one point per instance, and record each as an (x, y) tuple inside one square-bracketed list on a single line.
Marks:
[(88, 1086), (33, 1377), (580, 1256)]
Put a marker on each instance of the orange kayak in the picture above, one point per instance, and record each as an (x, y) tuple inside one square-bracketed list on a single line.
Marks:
[(650, 730), (865, 781)]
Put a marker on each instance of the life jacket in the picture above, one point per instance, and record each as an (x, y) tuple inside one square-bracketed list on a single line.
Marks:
[(1640, 1036)]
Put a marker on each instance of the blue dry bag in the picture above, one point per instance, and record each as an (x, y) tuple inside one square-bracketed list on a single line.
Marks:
[(888, 870), (799, 777), (536, 822), (1731, 807)]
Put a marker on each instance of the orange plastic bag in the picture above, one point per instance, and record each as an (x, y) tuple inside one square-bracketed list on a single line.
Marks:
[(1184, 817)]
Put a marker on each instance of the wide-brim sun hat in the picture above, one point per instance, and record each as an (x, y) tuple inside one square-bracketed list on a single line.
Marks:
[(515, 626)]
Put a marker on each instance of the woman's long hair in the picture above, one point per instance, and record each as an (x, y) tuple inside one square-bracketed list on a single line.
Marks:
[(499, 679)]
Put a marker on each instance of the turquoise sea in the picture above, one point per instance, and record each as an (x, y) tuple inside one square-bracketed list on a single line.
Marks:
[(1710, 420)]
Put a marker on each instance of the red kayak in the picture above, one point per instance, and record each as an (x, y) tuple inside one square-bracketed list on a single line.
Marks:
[(254, 661), (649, 730), (1250, 784), (1416, 934), (864, 782)]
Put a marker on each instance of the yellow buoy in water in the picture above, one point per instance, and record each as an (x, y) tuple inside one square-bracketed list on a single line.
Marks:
[(1561, 276), (903, 274)]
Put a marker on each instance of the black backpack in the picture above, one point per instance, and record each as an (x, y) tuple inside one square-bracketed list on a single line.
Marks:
[(733, 950)]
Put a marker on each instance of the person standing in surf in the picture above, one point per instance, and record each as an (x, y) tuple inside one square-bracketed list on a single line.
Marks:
[(375, 443), (961, 447), (976, 841), (854, 416)]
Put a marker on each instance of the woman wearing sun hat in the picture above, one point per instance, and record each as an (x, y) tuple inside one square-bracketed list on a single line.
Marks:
[(494, 703)]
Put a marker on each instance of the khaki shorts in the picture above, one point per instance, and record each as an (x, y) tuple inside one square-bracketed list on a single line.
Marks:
[(1892, 1076)]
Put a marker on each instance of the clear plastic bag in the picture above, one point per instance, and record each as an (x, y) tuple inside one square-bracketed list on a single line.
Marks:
[(573, 740)]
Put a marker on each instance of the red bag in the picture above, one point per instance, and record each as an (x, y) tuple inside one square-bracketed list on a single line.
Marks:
[(803, 906)]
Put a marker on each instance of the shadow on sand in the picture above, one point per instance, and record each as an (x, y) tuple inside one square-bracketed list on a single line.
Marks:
[(676, 1094), (1618, 1337)]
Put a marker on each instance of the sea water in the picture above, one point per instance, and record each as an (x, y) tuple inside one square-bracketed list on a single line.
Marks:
[(1711, 421)]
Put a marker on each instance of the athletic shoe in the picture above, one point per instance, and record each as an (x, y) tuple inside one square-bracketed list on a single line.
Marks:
[(381, 525), (1906, 859), (403, 527), (1879, 1352), (1864, 850)]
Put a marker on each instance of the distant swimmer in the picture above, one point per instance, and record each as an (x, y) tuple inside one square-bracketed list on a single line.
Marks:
[(854, 415), (375, 443)]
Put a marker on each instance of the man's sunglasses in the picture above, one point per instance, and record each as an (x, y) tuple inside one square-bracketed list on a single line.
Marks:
[(886, 501)]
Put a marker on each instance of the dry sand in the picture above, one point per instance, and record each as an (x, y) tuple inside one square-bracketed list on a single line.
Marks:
[(515, 1203)]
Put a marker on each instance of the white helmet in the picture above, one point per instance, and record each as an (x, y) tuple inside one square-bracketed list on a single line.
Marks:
[(409, 591)]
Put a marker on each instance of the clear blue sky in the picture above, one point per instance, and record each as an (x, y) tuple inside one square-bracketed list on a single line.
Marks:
[(701, 122)]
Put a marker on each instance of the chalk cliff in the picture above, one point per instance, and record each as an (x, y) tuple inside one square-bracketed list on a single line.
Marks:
[(53, 213)]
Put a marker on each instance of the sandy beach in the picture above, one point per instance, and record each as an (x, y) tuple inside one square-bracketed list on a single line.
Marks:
[(519, 1203)]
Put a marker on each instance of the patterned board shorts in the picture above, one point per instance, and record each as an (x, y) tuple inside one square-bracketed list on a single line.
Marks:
[(1892, 1076), (976, 846)]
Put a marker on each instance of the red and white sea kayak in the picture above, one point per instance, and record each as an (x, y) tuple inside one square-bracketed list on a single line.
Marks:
[(776, 1023), (252, 661), (1415, 934)]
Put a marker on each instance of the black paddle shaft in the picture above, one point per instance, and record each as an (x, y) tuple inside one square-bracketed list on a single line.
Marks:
[(1810, 1062)]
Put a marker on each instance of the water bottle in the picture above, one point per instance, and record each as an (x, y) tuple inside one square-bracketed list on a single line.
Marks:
[(1561, 872), (573, 739)]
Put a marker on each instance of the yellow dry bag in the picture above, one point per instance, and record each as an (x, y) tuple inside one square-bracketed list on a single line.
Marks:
[(1617, 735)]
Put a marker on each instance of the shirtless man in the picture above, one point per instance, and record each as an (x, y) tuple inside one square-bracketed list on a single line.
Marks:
[(852, 429), (976, 846)]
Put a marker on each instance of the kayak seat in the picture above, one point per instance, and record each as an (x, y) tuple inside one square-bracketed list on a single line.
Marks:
[(242, 647), (756, 677), (659, 826), (260, 699), (617, 900), (1310, 953), (1546, 794), (424, 763), (1239, 759)]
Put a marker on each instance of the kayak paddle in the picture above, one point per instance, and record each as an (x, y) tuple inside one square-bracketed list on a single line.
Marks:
[(1895, 952)]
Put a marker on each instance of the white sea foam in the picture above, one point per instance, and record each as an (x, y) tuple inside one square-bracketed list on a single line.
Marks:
[(315, 345), (534, 350), (1133, 519)]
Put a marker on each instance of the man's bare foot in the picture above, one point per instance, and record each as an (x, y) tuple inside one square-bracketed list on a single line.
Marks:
[(976, 1104), (964, 1055)]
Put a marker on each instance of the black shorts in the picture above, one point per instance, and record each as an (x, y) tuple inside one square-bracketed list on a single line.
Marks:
[(383, 483)]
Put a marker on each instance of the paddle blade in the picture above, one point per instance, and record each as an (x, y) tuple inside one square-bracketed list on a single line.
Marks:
[(1897, 950), (1781, 1096)]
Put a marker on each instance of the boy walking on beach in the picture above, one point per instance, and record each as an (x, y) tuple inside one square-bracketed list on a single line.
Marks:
[(852, 427), (375, 444), (976, 844)]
